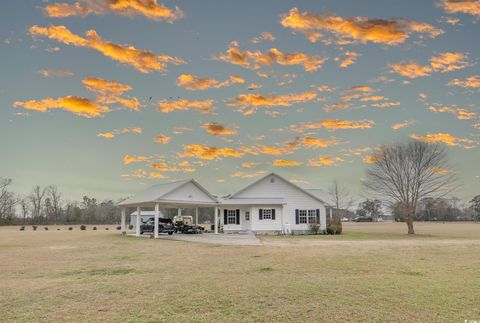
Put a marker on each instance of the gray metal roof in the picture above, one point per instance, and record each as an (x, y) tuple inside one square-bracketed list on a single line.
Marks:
[(156, 192)]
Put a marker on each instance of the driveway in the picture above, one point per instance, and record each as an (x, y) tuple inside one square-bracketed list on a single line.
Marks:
[(230, 239)]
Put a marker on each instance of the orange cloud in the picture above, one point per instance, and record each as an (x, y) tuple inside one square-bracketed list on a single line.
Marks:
[(74, 104), (256, 59), (334, 125), (113, 133), (162, 139), (248, 175), (286, 163), (461, 114), (445, 62), (56, 73), (257, 100), (142, 60), (209, 152), (358, 29), (216, 129), (336, 106), (403, 124), (386, 104), (205, 106), (470, 82), (371, 159), (310, 142), (195, 83), (250, 165), (109, 92), (471, 7), (263, 36), (324, 161), (184, 167), (446, 138), (149, 8), (351, 58), (129, 159)]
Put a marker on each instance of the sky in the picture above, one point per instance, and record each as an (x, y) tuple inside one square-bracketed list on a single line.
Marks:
[(105, 98)]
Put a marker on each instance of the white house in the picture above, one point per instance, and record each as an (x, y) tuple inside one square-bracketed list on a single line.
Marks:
[(272, 204)]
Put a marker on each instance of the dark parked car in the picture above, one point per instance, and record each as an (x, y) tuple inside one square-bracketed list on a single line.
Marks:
[(182, 227), (164, 226)]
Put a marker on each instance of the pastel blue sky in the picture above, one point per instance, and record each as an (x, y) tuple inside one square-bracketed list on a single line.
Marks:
[(307, 89)]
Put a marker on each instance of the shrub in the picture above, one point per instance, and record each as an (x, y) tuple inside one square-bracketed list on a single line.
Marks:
[(335, 226), (46, 228), (130, 227), (22, 228), (83, 227), (107, 228), (314, 228), (70, 228), (118, 228), (34, 227), (94, 228), (58, 229)]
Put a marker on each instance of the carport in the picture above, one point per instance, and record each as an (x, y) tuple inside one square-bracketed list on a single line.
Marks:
[(178, 195)]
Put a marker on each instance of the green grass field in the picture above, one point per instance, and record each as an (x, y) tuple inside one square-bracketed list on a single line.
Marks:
[(374, 272)]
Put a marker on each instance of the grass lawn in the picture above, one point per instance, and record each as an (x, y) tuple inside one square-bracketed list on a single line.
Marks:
[(372, 273)]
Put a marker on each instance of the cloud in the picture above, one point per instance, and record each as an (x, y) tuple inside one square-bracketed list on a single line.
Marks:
[(336, 124), (129, 159), (74, 104), (256, 100), (351, 58), (460, 114), (256, 59), (248, 175), (142, 60), (324, 161), (310, 142), (263, 36), (336, 106), (445, 62), (250, 164), (217, 129), (109, 92), (140, 173), (195, 83), (471, 7), (184, 167), (386, 104), (286, 163), (162, 139), (148, 8), (403, 124), (358, 29), (371, 159), (470, 82), (115, 132), (445, 138), (56, 73), (205, 106), (209, 152)]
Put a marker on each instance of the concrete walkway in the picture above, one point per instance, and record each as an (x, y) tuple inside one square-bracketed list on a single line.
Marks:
[(230, 239)]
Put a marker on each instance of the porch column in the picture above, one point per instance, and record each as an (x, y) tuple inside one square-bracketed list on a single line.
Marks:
[(179, 212), (331, 213), (122, 223), (196, 216), (157, 213), (137, 226), (216, 220)]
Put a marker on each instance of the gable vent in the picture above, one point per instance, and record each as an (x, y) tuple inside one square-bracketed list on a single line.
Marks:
[(272, 179)]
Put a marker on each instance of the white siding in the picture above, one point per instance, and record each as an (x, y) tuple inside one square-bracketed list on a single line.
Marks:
[(294, 198), (188, 192)]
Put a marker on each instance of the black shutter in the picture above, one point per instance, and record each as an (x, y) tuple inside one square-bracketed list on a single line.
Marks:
[(297, 217), (225, 220), (260, 214), (318, 216), (273, 214), (238, 216)]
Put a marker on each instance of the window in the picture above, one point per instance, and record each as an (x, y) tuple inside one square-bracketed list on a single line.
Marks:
[(302, 216), (231, 216), (247, 215), (267, 214), (312, 216), (306, 216)]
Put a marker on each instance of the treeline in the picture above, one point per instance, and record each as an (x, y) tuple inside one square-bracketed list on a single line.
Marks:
[(46, 206)]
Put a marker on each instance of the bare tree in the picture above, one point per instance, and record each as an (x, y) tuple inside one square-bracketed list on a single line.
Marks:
[(404, 173), (7, 201), (340, 196), (54, 197), (24, 206), (36, 198)]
